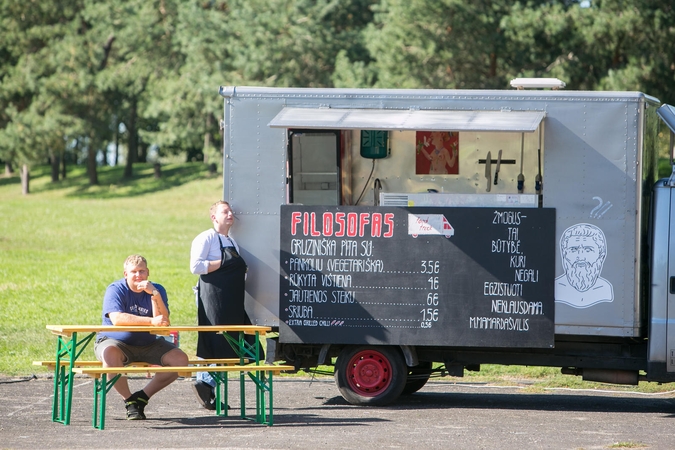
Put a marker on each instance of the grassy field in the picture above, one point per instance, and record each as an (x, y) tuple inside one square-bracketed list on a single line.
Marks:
[(64, 243)]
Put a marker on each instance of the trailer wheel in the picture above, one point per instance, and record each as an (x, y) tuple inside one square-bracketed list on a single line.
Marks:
[(370, 375), (417, 377)]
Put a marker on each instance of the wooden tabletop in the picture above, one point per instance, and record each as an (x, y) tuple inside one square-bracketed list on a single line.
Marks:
[(68, 330)]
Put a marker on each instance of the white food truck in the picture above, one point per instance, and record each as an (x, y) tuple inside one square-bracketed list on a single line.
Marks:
[(396, 234)]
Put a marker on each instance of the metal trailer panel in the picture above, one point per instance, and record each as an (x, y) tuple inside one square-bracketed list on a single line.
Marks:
[(255, 185), (591, 175), (661, 351), (591, 171), (661, 250)]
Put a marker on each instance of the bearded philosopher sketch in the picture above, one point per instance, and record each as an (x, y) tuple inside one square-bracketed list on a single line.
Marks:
[(583, 250)]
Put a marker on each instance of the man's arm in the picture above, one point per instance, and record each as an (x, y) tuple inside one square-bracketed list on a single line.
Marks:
[(159, 308), (126, 319), (199, 264)]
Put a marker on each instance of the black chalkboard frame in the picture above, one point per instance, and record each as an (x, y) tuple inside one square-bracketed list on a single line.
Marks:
[(362, 275)]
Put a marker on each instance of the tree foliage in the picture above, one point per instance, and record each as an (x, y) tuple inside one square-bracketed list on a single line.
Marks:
[(612, 45), (441, 44), (33, 120), (294, 42), (77, 75)]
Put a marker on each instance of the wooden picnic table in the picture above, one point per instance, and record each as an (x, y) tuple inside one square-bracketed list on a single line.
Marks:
[(73, 339)]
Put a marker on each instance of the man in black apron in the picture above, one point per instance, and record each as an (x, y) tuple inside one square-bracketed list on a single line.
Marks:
[(220, 292)]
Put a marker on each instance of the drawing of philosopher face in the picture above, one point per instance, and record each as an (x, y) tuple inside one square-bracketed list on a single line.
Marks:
[(583, 250)]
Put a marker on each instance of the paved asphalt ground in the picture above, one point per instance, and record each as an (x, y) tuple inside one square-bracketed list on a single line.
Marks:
[(311, 413)]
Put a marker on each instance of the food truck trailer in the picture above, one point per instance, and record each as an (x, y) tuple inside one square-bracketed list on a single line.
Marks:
[(398, 233)]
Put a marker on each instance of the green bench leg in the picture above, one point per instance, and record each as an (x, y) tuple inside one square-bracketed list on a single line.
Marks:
[(222, 393), (264, 397), (62, 382), (69, 349), (58, 406), (252, 351), (260, 400), (101, 389), (269, 420), (242, 395)]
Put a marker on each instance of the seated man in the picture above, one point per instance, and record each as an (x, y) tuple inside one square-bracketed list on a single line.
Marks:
[(134, 300)]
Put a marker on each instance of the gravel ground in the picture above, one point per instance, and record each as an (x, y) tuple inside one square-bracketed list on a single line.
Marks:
[(311, 413)]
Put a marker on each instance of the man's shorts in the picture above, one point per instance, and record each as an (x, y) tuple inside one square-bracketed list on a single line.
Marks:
[(151, 354)]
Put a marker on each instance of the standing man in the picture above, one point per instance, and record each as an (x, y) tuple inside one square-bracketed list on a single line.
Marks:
[(215, 257), (134, 300)]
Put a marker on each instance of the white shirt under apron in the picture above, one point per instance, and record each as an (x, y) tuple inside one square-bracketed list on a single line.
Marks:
[(205, 248)]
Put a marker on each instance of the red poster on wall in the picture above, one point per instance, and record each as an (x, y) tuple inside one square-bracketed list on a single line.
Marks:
[(437, 153)]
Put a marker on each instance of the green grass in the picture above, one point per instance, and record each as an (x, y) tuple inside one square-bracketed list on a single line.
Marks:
[(665, 169), (61, 245)]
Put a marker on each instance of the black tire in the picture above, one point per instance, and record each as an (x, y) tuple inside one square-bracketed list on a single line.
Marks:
[(417, 377), (370, 375)]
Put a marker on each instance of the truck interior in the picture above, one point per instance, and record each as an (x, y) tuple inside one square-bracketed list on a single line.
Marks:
[(405, 157)]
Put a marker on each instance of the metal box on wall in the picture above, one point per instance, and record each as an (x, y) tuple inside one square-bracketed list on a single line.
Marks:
[(374, 144)]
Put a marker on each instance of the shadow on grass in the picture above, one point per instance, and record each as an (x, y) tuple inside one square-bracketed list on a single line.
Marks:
[(6, 181), (113, 184)]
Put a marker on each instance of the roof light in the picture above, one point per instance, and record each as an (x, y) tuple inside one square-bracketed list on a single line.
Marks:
[(534, 83)]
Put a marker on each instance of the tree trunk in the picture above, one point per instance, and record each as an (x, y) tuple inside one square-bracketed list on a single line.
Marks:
[(63, 165), (91, 162), (104, 162), (143, 152), (9, 170), (25, 180), (132, 148), (55, 162), (207, 138), (117, 141)]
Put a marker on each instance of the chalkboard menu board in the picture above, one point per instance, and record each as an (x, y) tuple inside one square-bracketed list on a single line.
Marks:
[(479, 277)]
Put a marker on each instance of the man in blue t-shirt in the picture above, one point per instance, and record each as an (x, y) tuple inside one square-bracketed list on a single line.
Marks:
[(134, 300)]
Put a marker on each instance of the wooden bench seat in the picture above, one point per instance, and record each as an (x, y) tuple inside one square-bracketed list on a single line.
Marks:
[(52, 364), (260, 374), (184, 371)]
